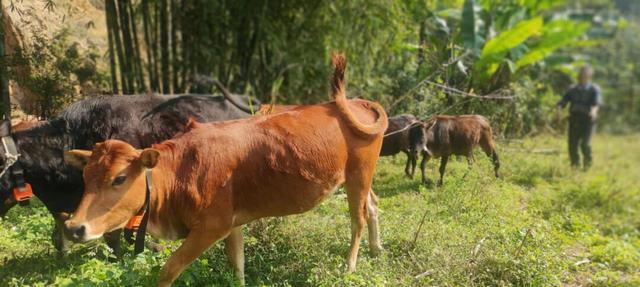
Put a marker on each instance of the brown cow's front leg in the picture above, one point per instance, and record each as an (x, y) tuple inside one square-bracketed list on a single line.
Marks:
[(443, 166), (234, 244), (196, 243)]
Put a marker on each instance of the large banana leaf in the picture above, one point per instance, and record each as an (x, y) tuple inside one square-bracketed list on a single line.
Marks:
[(556, 34), (497, 48)]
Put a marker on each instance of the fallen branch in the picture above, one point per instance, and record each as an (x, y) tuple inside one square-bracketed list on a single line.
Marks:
[(426, 273), (456, 92), (415, 237), (474, 253)]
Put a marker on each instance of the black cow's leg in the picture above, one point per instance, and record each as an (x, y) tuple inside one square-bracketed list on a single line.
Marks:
[(60, 242), (423, 166), (443, 166), (113, 241), (407, 167)]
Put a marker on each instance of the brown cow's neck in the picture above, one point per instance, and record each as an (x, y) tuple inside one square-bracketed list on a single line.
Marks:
[(165, 221)]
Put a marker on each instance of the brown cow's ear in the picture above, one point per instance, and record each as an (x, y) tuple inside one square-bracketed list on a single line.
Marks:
[(149, 157), (77, 158)]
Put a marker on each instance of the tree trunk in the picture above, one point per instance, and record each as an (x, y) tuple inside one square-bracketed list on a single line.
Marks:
[(174, 46), (112, 57), (112, 16), (153, 83), (164, 47), (155, 42), (128, 47), (4, 88), (142, 86), (186, 43)]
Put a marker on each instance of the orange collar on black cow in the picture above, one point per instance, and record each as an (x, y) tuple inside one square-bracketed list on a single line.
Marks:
[(139, 222), (21, 190)]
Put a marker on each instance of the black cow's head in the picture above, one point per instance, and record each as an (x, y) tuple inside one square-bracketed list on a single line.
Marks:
[(417, 140), (419, 137)]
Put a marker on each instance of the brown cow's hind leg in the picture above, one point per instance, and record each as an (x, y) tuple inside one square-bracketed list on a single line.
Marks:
[(375, 246), (234, 244), (357, 194), (196, 243)]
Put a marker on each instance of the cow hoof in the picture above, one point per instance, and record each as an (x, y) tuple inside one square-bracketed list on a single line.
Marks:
[(376, 251), (60, 243), (440, 183), (427, 182), (156, 247)]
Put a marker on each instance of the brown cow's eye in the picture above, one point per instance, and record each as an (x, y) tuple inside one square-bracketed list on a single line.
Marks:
[(119, 180)]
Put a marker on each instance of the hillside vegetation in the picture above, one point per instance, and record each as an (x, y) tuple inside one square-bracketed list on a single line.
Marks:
[(543, 224)]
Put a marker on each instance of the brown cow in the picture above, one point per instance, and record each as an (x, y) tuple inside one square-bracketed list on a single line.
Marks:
[(443, 136), (208, 182)]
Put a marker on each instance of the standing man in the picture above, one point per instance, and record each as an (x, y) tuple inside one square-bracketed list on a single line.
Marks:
[(585, 99)]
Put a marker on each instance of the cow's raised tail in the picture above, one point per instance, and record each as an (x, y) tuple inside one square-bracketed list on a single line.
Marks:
[(338, 94)]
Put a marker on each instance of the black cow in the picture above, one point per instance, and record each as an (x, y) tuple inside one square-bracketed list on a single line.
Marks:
[(396, 140), (141, 120)]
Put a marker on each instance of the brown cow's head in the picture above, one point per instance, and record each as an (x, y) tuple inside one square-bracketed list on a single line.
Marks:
[(114, 187)]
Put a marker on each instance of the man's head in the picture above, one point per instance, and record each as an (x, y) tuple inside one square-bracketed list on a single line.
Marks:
[(585, 75)]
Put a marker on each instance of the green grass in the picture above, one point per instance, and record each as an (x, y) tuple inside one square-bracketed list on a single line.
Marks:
[(542, 224)]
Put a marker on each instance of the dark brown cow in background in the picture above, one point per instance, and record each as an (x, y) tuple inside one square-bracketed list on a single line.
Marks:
[(396, 140), (444, 136)]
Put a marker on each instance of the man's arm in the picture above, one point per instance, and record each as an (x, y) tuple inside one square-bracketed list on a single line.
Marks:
[(565, 99), (597, 102)]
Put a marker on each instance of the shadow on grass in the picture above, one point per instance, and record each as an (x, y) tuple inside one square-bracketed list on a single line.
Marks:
[(37, 264), (392, 187)]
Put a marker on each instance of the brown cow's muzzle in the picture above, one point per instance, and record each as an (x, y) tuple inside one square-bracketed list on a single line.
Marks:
[(79, 232)]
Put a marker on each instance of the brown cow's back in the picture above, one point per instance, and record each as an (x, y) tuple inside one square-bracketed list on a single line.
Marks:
[(457, 135), (312, 165)]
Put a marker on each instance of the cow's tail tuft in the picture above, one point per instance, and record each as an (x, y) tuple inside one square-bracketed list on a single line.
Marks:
[(338, 94)]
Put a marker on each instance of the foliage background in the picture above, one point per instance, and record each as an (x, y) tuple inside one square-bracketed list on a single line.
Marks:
[(278, 51), (541, 225)]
